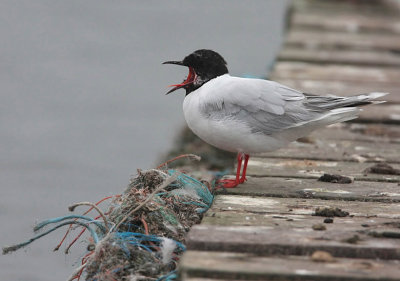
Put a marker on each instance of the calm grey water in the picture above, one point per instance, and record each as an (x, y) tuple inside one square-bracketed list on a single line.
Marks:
[(83, 105)]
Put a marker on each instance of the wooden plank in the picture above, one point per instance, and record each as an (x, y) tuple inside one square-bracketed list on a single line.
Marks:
[(288, 222), (334, 72), (351, 23), (313, 169), (188, 278), (385, 113), (375, 133), (297, 206), (340, 57), (311, 188), (266, 241), (314, 40), (375, 8), (201, 265), (342, 88), (339, 150)]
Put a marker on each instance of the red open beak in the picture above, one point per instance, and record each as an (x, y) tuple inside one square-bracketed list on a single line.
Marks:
[(189, 80)]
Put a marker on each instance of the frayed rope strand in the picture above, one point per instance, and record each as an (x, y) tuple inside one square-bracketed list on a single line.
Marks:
[(168, 277), (70, 227), (76, 238), (190, 156), (57, 220), (77, 273), (13, 248), (73, 206)]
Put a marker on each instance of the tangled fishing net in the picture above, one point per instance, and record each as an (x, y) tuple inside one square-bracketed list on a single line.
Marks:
[(141, 235)]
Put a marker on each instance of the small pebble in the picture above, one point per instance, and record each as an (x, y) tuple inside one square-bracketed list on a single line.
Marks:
[(322, 256), (319, 226), (91, 247), (328, 220)]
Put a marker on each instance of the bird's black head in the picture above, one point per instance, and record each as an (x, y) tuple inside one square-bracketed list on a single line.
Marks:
[(204, 65)]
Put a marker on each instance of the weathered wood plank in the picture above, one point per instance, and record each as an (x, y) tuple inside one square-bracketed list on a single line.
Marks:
[(342, 88), (266, 241), (376, 133), (313, 40), (311, 188), (340, 57), (196, 265), (188, 278), (296, 206), (332, 72), (375, 8), (351, 23), (386, 113), (286, 222), (292, 168), (339, 150)]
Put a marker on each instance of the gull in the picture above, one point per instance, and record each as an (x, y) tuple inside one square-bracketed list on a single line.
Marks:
[(250, 116)]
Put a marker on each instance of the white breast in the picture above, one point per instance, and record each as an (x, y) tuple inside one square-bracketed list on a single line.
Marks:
[(227, 134)]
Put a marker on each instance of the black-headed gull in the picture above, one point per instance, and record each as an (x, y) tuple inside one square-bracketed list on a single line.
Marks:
[(250, 116)]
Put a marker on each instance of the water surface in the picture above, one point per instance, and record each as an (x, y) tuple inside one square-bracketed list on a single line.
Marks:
[(83, 105)]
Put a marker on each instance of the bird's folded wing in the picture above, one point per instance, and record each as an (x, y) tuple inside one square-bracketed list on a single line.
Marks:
[(265, 106)]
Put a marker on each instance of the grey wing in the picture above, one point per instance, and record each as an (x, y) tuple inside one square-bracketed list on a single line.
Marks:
[(265, 106)]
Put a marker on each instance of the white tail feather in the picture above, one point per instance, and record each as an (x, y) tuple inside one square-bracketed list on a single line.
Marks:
[(371, 96), (342, 114)]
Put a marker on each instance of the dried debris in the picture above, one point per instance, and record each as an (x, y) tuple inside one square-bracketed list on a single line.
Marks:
[(336, 179), (142, 233), (382, 168), (384, 234), (395, 224), (352, 240), (330, 212)]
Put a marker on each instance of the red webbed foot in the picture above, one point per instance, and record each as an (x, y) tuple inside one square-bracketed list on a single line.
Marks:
[(230, 183), (226, 183)]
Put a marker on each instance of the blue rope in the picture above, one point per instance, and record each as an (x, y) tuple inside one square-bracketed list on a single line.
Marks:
[(185, 181), (136, 239), (168, 277), (20, 245), (56, 220)]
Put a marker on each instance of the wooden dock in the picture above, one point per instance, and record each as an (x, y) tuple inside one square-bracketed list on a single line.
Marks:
[(285, 224)]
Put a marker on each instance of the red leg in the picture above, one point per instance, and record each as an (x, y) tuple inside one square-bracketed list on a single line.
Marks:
[(246, 160), (228, 183)]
